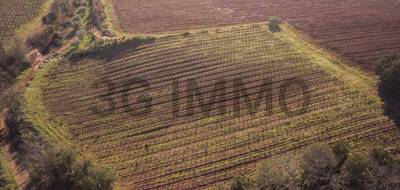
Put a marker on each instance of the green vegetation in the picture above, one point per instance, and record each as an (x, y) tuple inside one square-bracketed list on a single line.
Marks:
[(162, 151), (66, 23), (388, 69), (52, 166), (111, 48), (274, 24), (12, 62), (321, 169)]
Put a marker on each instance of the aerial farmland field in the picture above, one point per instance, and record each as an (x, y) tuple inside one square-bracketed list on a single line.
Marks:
[(15, 13), (357, 30), (178, 145), (200, 94)]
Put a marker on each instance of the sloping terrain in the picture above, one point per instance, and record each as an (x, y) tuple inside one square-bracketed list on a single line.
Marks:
[(175, 113), (360, 30)]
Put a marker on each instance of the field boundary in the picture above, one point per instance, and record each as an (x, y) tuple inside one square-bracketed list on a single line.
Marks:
[(111, 19), (334, 65)]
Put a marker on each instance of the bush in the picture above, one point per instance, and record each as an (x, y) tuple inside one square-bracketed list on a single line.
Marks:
[(13, 62), (2, 53), (378, 171), (240, 183), (273, 24), (382, 171), (49, 167), (355, 171), (49, 18), (111, 50), (269, 177), (45, 40), (341, 151), (388, 69), (60, 170), (318, 166)]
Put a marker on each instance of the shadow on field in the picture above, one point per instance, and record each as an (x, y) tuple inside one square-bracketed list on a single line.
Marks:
[(112, 50)]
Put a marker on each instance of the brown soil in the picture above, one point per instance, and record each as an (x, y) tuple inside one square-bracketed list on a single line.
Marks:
[(360, 31)]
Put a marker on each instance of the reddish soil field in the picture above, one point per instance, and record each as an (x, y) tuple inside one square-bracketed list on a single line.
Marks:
[(178, 145), (359, 30)]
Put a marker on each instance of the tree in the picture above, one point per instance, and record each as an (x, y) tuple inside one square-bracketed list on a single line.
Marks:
[(388, 69), (318, 166), (269, 177), (273, 24), (60, 170), (377, 171), (382, 171), (240, 183), (2, 54)]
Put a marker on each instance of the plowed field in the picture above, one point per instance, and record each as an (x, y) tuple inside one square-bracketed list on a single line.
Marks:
[(13, 13), (359, 30), (174, 143)]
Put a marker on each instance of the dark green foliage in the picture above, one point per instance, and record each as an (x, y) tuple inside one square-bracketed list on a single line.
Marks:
[(2, 53), (186, 34), (273, 24), (46, 40), (378, 171), (355, 172), (49, 18), (388, 69), (62, 171), (240, 183), (329, 168), (112, 50), (12, 63), (341, 151)]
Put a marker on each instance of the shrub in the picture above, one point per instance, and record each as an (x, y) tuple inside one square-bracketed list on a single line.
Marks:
[(97, 14), (49, 18), (45, 40), (318, 166), (341, 151), (269, 177), (388, 69), (274, 24), (2, 54), (185, 34), (355, 171), (62, 171), (13, 62), (378, 170), (50, 167), (240, 183), (112, 49), (383, 171)]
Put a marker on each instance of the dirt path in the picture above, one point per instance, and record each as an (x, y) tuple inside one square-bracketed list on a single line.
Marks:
[(20, 173)]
